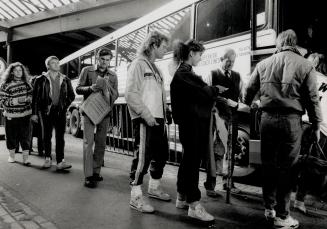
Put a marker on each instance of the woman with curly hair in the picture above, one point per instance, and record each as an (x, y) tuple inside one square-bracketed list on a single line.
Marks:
[(16, 100)]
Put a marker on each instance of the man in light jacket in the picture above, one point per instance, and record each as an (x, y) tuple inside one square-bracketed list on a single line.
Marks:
[(146, 100), (287, 86)]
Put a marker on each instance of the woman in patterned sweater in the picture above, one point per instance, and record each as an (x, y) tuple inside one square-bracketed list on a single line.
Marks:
[(16, 100)]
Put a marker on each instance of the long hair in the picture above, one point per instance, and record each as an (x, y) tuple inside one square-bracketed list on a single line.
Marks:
[(182, 50), (154, 38), (8, 75)]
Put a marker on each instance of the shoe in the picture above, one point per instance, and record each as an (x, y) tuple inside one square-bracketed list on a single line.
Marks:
[(233, 190), (97, 177), (90, 183), (299, 205), (158, 194), (270, 214), (140, 205), (289, 222), (63, 165), (47, 163), (181, 201), (11, 158), (212, 193), (198, 212)]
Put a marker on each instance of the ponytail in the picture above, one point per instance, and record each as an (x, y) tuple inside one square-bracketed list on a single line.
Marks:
[(182, 50)]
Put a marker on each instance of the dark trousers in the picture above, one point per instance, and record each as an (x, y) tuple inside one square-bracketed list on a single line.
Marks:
[(193, 135), (54, 120), (18, 132), (219, 152), (280, 147), (151, 150)]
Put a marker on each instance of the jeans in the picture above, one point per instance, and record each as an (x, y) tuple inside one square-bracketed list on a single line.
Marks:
[(280, 147)]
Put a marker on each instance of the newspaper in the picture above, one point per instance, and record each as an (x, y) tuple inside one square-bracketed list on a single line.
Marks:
[(97, 106)]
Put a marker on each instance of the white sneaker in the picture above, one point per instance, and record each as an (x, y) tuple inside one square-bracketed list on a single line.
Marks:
[(287, 223), (158, 194), (270, 214), (47, 163), (139, 204), (11, 158), (199, 213), (63, 165), (300, 206)]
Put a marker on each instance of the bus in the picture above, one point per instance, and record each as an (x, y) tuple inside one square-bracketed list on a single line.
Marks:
[(250, 27)]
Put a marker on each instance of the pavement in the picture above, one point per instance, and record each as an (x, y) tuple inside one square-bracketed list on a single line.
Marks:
[(34, 198)]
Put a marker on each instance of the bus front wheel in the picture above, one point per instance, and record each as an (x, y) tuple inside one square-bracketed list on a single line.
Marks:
[(75, 120)]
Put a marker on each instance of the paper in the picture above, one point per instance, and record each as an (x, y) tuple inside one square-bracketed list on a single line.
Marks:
[(96, 107)]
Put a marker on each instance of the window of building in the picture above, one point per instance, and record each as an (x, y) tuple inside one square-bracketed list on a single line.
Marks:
[(88, 59)]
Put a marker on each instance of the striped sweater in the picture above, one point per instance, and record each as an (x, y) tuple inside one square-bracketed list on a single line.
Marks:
[(11, 94)]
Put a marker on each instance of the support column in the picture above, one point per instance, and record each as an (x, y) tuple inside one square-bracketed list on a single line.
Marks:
[(9, 45)]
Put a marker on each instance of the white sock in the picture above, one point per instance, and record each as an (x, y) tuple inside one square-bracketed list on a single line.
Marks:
[(25, 155), (154, 183), (12, 152), (194, 204), (136, 190)]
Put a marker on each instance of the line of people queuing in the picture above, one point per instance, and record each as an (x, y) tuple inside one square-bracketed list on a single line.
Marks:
[(284, 83)]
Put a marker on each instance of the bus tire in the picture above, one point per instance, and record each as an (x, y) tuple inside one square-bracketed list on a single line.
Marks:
[(75, 120), (68, 115)]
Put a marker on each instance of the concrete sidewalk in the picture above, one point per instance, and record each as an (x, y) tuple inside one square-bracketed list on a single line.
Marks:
[(63, 201)]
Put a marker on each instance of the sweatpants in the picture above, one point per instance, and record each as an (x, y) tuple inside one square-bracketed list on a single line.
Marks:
[(193, 135), (93, 159), (281, 136), (150, 150), (18, 132), (54, 120)]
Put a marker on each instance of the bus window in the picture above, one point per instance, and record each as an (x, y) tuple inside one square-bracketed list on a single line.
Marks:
[(112, 47), (64, 69), (221, 18), (73, 68), (175, 26), (88, 59)]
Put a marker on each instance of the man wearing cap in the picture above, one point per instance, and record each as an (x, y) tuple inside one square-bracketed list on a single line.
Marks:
[(52, 95), (93, 159)]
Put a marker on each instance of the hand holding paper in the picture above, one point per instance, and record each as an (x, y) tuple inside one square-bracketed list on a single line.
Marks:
[(221, 88)]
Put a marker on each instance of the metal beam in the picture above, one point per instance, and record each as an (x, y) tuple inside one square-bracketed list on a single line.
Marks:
[(111, 14)]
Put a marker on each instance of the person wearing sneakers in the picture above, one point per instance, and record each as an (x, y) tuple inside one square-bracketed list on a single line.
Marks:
[(146, 101), (16, 100), (191, 100), (52, 95), (87, 84), (226, 77), (288, 86)]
